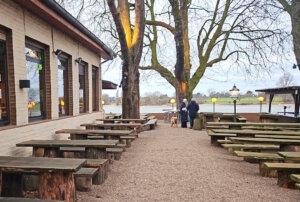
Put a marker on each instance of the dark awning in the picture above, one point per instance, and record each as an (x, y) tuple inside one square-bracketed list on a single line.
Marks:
[(282, 90), (107, 85)]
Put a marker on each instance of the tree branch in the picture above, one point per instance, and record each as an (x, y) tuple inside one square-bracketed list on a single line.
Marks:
[(161, 24)]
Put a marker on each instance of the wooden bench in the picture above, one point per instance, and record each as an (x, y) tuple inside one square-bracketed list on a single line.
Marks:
[(224, 141), (72, 152), (82, 134), (214, 137), (290, 157), (285, 144), (142, 121), (278, 137), (296, 179), (112, 126), (114, 153), (14, 199), (284, 171), (250, 147), (261, 158), (241, 119), (252, 133), (49, 174), (127, 140), (103, 167), (84, 178), (238, 125), (51, 148), (151, 124)]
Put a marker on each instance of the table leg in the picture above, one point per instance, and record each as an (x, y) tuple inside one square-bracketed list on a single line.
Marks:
[(38, 152), (57, 186)]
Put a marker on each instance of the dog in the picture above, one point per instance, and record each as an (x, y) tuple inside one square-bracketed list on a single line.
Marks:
[(173, 121)]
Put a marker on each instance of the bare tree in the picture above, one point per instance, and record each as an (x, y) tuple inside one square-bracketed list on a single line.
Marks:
[(292, 7), (287, 79), (232, 29), (125, 36)]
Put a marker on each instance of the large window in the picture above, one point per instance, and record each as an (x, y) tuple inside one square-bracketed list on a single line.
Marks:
[(63, 86), (35, 71), (4, 109), (82, 88), (94, 88)]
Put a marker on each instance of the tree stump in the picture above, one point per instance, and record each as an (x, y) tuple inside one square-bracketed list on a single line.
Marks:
[(57, 186), (267, 172)]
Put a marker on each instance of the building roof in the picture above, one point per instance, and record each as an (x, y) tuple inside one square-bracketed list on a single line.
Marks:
[(281, 90), (107, 85), (58, 17)]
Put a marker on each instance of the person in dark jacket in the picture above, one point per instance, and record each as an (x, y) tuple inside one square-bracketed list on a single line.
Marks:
[(193, 109), (184, 113)]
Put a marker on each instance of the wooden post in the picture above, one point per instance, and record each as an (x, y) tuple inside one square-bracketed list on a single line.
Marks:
[(57, 186), (270, 102), (297, 104)]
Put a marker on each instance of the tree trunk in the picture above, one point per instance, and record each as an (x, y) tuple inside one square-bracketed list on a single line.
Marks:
[(295, 18), (131, 95)]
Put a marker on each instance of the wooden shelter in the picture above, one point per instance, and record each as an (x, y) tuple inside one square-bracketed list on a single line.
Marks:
[(293, 90)]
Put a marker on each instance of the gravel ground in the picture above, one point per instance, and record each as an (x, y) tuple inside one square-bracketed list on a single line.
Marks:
[(174, 164)]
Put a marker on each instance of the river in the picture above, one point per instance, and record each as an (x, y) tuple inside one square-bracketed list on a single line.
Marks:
[(208, 108)]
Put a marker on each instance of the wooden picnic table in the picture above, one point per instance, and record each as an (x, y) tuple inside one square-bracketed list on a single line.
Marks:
[(142, 121), (285, 144), (241, 124), (264, 140), (53, 173), (51, 148), (110, 126), (81, 134), (256, 132)]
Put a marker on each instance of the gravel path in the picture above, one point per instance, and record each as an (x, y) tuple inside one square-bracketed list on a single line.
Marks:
[(174, 164)]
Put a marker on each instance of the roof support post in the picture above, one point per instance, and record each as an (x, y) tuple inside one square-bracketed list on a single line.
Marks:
[(270, 102), (297, 98)]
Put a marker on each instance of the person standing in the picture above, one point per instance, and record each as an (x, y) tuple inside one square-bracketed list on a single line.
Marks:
[(193, 109), (184, 113)]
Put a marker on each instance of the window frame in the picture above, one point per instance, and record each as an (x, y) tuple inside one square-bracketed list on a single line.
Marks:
[(37, 48), (95, 91), (5, 123), (85, 88), (66, 59)]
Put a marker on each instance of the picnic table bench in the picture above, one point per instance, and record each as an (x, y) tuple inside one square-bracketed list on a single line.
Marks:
[(252, 133), (93, 149), (250, 147), (214, 137), (285, 144), (239, 125), (261, 158), (124, 136), (14, 199), (296, 179), (142, 121), (55, 177), (119, 126), (284, 171), (150, 124), (290, 157)]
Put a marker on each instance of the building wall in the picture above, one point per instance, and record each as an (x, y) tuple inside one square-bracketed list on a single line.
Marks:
[(23, 24)]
